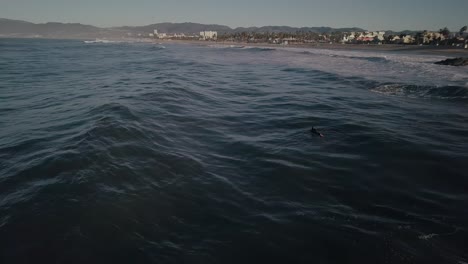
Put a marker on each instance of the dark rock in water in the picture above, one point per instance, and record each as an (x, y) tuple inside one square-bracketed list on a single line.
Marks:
[(454, 62)]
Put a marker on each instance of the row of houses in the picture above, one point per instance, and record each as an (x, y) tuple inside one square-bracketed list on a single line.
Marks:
[(426, 37), (364, 36), (158, 35), (375, 37), (204, 35), (208, 35), (403, 39)]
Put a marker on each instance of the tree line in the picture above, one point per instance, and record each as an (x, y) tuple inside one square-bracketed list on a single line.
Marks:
[(308, 36)]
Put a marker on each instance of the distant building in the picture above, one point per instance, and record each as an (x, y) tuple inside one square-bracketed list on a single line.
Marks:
[(155, 32), (395, 39), (206, 35), (348, 37), (289, 41), (408, 39), (403, 39), (371, 36), (429, 37), (364, 36)]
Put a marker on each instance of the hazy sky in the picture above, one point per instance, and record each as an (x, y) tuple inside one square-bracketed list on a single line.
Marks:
[(368, 14)]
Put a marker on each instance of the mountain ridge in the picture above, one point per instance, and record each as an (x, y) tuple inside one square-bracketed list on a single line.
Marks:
[(20, 28)]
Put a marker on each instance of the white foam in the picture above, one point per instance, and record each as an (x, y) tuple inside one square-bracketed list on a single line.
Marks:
[(99, 41), (427, 237), (379, 66)]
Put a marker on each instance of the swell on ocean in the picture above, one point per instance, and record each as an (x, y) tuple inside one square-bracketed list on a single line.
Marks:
[(144, 153)]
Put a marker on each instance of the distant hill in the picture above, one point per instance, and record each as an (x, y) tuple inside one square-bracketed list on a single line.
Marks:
[(194, 28), (17, 28), (8, 26), (187, 28), (404, 32), (286, 29)]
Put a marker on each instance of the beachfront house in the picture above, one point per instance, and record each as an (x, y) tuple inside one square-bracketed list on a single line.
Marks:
[(208, 35), (403, 39), (348, 37), (396, 39), (357, 37), (464, 36), (290, 40), (179, 35), (370, 36), (408, 39), (432, 37)]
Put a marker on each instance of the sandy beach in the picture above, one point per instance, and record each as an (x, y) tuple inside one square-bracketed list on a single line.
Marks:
[(448, 51)]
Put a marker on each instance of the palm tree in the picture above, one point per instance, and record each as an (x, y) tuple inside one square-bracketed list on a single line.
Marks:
[(463, 29), (420, 37), (445, 32)]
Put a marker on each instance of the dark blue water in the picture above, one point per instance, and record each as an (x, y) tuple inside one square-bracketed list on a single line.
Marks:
[(144, 153)]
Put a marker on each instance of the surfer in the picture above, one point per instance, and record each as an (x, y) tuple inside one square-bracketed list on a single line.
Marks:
[(314, 131)]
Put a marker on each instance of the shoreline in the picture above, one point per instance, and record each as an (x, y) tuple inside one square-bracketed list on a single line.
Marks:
[(412, 49), (446, 51)]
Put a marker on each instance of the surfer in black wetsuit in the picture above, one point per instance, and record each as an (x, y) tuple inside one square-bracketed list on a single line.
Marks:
[(314, 131)]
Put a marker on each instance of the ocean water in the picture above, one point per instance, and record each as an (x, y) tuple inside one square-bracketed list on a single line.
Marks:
[(144, 153)]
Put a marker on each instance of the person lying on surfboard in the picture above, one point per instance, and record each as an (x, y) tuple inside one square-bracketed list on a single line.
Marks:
[(314, 131)]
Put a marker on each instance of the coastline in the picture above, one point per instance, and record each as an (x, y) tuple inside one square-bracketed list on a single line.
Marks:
[(447, 51)]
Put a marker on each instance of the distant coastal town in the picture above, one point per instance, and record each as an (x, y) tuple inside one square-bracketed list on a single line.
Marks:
[(271, 35), (442, 37)]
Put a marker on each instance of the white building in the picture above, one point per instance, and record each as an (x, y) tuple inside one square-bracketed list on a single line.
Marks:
[(364, 36), (348, 37), (205, 35), (179, 35), (431, 36), (403, 39)]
